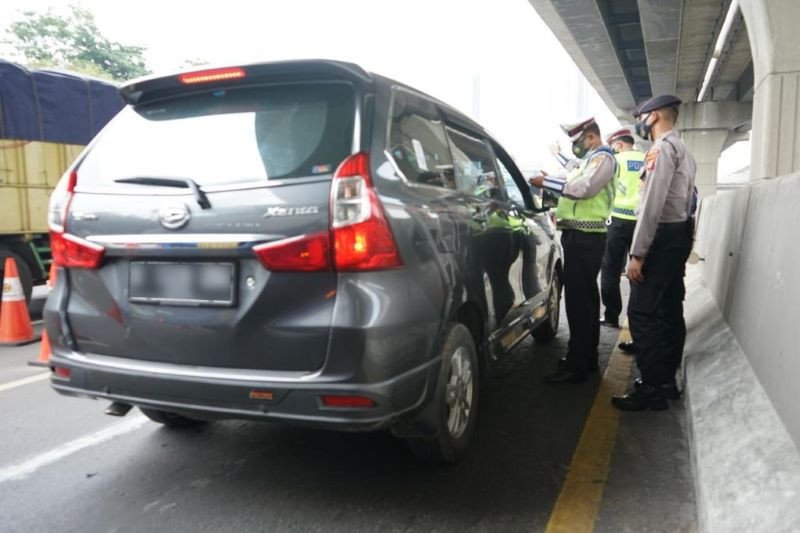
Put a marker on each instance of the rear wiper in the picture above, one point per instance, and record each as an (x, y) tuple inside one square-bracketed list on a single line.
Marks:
[(183, 183)]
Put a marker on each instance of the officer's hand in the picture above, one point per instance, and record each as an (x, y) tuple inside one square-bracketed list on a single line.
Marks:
[(635, 266), (537, 181)]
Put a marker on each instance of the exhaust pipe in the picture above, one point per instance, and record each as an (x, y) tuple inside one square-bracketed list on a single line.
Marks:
[(118, 409)]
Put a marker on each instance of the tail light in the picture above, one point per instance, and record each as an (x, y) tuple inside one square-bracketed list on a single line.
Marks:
[(68, 250), (306, 254), (362, 238), (60, 200), (359, 239), (73, 252)]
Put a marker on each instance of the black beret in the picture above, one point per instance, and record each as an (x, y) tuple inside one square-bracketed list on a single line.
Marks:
[(656, 102)]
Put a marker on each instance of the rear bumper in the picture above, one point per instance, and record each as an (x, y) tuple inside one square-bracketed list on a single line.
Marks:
[(217, 393)]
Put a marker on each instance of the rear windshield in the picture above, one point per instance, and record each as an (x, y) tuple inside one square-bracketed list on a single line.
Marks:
[(228, 136)]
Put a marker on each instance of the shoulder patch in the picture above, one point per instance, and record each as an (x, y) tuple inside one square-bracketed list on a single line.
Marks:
[(650, 159)]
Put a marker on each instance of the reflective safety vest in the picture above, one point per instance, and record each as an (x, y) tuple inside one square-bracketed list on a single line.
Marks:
[(588, 214), (628, 182)]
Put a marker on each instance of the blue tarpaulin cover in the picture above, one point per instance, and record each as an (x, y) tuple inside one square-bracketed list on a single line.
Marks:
[(54, 106)]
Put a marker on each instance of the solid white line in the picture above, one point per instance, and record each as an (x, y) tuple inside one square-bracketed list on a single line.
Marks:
[(29, 466), (24, 381)]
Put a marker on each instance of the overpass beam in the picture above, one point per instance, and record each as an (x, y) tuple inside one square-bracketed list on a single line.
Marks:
[(706, 128), (775, 43)]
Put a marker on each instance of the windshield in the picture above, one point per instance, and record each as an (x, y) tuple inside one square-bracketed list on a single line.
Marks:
[(228, 136)]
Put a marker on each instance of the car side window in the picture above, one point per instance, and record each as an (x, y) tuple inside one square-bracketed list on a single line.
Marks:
[(512, 189), (524, 198), (473, 162), (417, 141)]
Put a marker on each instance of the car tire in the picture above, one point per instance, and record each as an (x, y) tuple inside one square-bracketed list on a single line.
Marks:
[(25, 276), (547, 330), (455, 402), (170, 420)]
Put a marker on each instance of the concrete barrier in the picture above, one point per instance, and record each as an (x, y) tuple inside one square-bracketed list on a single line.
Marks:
[(743, 358)]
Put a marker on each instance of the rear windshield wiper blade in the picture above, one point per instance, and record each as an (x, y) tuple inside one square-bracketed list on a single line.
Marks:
[(183, 183)]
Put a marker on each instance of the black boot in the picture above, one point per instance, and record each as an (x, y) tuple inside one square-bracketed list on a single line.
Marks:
[(594, 365), (670, 392), (643, 397), (629, 347)]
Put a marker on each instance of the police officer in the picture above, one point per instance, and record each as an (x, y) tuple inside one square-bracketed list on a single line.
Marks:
[(662, 241), (621, 223), (587, 197)]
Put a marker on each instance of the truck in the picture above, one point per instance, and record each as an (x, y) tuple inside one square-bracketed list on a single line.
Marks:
[(47, 117)]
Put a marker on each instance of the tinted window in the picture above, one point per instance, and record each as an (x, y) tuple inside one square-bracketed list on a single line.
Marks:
[(417, 141), (228, 136), (514, 194), (474, 165)]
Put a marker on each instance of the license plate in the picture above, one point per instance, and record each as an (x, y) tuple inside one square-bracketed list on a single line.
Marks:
[(196, 284)]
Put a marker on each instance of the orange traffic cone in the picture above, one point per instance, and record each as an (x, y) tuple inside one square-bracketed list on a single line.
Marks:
[(15, 322), (44, 350)]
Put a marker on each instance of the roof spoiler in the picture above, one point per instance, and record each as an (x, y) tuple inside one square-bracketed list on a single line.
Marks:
[(153, 88)]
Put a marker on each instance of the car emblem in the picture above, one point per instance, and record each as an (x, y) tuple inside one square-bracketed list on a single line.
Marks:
[(281, 211), (174, 216)]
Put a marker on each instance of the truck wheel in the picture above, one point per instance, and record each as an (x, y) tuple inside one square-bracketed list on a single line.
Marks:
[(170, 420), (455, 402), (25, 276), (548, 329)]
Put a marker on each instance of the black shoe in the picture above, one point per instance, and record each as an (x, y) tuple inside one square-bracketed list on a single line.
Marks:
[(594, 365), (565, 376), (670, 392), (629, 347), (609, 323), (642, 397)]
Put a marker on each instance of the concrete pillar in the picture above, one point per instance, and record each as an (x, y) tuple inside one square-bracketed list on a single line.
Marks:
[(775, 43), (705, 128)]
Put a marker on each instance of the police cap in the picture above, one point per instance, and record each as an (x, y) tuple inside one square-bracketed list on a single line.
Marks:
[(656, 102), (574, 131), (619, 134)]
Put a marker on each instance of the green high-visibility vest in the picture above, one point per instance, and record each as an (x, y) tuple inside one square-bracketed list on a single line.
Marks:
[(629, 167), (588, 214)]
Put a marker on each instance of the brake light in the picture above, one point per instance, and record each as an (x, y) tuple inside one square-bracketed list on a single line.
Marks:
[(307, 253), (60, 200), (361, 236), (212, 75), (70, 251), (347, 401)]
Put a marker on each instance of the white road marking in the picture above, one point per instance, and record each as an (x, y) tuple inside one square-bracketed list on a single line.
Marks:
[(24, 381), (29, 466)]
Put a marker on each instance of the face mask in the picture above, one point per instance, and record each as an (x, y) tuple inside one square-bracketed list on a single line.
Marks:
[(579, 149), (643, 129)]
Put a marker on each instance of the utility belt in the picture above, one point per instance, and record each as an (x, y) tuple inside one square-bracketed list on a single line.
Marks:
[(582, 225), (621, 211)]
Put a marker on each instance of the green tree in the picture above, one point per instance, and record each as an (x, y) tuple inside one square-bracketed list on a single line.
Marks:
[(74, 42)]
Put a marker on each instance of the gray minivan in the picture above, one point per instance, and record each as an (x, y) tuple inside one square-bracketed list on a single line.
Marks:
[(303, 242)]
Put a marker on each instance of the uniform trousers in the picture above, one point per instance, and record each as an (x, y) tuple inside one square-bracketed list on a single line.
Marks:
[(583, 254), (620, 235), (655, 308)]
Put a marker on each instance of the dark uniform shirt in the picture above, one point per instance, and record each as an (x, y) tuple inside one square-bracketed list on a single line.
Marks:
[(666, 192)]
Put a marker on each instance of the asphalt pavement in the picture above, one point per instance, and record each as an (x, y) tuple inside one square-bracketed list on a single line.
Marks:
[(66, 466)]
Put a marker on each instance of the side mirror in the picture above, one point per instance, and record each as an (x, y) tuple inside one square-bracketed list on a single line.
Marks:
[(549, 199)]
